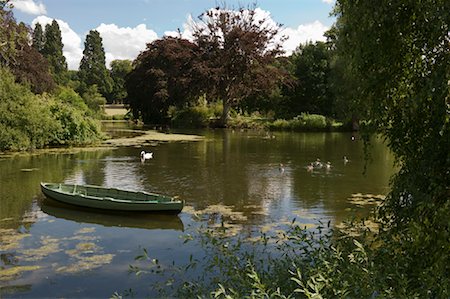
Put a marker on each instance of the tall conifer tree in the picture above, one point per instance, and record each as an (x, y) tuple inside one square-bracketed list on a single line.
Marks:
[(53, 51), (38, 38), (92, 67)]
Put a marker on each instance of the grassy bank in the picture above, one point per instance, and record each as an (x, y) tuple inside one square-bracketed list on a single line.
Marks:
[(209, 116)]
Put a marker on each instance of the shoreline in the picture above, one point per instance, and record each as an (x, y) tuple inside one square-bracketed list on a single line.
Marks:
[(149, 137)]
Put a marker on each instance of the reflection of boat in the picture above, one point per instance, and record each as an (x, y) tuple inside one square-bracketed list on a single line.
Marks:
[(111, 198), (111, 218)]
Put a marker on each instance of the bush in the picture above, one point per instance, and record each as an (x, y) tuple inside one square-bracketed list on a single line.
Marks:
[(198, 116), (32, 121), (306, 122), (192, 117), (74, 127)]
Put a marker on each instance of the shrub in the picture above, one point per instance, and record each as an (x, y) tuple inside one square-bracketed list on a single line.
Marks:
[(191, 117), (311, 121), (306, 122), (32, 121)]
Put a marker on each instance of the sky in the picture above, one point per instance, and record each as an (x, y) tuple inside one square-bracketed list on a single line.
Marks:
[(127, 26)]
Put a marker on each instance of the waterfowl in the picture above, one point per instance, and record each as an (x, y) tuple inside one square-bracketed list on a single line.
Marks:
[(146, 156), (317, 164), (345, 160), (310, 167)]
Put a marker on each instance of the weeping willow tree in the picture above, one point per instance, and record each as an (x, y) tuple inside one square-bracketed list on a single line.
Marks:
[(400, 54)]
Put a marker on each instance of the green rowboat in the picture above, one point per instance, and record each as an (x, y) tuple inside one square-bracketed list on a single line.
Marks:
[(111, 198)]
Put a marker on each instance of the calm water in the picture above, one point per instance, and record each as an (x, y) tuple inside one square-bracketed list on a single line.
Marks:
[(52, 250)]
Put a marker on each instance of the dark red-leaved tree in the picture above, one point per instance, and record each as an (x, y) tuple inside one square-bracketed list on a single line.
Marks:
[(238, 49), (162, 77)]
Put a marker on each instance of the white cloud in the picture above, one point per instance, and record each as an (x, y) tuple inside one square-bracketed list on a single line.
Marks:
[(187, 30), (124, 42), (29, 7), (72, 42), (328, 1), (304, 33)]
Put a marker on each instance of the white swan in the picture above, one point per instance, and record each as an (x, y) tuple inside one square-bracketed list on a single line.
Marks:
[(146, 156)]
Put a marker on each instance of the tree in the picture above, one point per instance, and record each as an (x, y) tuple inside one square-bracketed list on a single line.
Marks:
[(400, 53), (94, 99), (311, 92), (162, 76), (53, 51), (238, 50), (25, 62), (38, 38), (13, 37), (342, 83), (92, 67), (33, 68), (119, 70)]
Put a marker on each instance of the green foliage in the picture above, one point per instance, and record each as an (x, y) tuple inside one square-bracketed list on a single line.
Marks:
[(119, 70), (253, 121), (68, 96), (32, 121), (28, 66), (53, 51), (25, 122), (11, 37), (38, 38), (198, 116), (93, 66), (321, 263), (75, 127), (94, 99), (400, 55), (343, 83), (192, 117), (311, 91), (305, 122)]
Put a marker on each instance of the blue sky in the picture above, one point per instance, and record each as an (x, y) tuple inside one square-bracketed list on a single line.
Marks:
[(126, 26)]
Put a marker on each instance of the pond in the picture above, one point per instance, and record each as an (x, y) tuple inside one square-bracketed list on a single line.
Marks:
[(249, 182)]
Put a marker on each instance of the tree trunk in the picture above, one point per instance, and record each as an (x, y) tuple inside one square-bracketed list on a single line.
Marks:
[(225, 113), (355, 123)]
